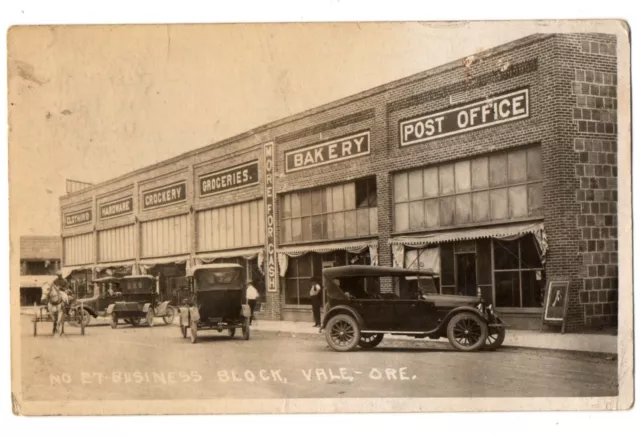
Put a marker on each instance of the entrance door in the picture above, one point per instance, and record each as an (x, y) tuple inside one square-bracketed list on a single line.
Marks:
[(466, 274)]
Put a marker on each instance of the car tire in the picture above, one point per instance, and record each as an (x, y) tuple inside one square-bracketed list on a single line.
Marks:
[(150, 316), (232, 332), (370, 340), (342, 326), (85, 318), (114, 321), (495, 338), (169, 315), (467, 327)]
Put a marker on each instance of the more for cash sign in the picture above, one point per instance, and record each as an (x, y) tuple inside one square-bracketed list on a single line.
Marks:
[(116, 208), (164, 196), (272, 275), (336, 150), (236, 177), (492, 111), (77, 218)]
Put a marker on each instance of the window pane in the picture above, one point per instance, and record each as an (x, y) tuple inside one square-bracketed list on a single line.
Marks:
[(430, 182), (498, 200), (463, 176), (507, 289), (306, 228), (362, 216), (400, 187), (446, 264), (532, 288), (296, 229), (373, 193), (325, 229), (338, 224), (447, 211), (329, 222), (316, 263), (362, 198), (291, 291), (498, 170), (518, 201), (505, 254), (350, 224), (338, 198), (480, 204), (316, 227), (529, 253), (304, 266), (286, 206), (328, 199), (316, 202), (373, 220), (534, 197), (432, 213), (480, 173), (415, 184), (305, 203), (463, 208), (401, 217), (484, 261), (295, 205), (304, 286), (446, 179), (349, 196), (286, 230), (416, 215), (534, 164), (517, 166)]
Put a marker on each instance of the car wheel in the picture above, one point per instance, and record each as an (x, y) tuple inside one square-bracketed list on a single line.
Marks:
[(194, 332), (232, 332), (169, 315), (370, 340), (150, 316), (114, 321), (246, 329), (495, 338), (467, 331), (342, 333)]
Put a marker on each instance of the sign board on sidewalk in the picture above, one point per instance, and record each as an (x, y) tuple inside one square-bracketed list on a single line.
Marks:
[(556, 303)]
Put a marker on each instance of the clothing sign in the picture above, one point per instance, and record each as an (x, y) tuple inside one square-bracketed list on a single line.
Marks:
[(164, 196), (77, 218), (272, 274), (339, 149), (116, 208), (492, 111), (236, 177)]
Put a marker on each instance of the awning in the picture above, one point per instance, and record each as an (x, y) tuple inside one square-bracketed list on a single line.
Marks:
[(246, 253), (106, 265), (66, 271), (159, 260), (351, 246), (35, 281)]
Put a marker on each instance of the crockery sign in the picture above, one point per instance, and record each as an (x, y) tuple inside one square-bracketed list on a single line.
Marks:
[(77, 218), (165, 195), (347, 147), (496, 110), (116, 208), (236, 177), (272, 277)]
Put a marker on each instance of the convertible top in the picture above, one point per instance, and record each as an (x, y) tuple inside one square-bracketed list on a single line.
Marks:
[(139, 277), (217, 266), (368, 271)]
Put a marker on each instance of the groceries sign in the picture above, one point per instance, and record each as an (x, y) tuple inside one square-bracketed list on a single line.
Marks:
[(339, 149), (164, 196), (77, 218), (492, 111), (116, 208), (236, 177)]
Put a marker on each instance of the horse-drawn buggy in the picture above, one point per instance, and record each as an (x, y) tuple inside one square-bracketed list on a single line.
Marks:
[(137, 299), (216, 301), (58, 307)]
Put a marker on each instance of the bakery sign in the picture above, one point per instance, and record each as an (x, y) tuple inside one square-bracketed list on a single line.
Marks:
[(164, 196), (77, 218), (116, 208), (496, 110), (239, 176), (336, 150)]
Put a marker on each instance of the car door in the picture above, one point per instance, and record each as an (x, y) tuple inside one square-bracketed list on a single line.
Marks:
[(377, 314), (415, 315)]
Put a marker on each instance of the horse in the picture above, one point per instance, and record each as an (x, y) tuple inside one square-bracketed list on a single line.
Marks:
[(57, 304)]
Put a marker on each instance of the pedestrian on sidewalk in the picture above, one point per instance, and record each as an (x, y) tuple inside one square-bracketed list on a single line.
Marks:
[(316, 301), (252, 298)]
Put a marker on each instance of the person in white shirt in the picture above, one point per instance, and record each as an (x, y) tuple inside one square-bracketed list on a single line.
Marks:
[(316, 301), (252, 298)]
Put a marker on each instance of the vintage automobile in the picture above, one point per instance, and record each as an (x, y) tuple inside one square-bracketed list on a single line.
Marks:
[(137, 300), (358, 315), (216, 301), (105, 292)]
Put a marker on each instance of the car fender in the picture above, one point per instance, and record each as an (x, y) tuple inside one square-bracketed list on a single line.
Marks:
[(146, 307), (110, 309), (92, 312), (453, 312), (342, 309), (246, 311)]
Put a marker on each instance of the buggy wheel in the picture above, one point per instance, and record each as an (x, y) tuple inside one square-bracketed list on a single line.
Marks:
[(342, 333), (150, 316), (495, 338), (75, 317), (246, 329), (169, 315), (183, 330), (114, 321), (194, 332), (232, 332), (370, 340), (467, 331)]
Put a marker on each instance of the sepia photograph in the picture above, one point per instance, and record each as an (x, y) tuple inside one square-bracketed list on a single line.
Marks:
[(320, 217)]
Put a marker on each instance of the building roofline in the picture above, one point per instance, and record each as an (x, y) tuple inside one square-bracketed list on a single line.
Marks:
[(500, 49)]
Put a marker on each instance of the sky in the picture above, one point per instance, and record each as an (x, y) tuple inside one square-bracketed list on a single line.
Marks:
[(91, 103)]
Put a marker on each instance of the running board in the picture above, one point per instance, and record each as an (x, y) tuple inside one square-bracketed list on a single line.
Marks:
[(396, 332)]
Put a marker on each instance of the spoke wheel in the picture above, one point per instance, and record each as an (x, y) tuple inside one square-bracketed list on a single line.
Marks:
[(169, 315), (370, 340), (85, 318), (467, 332), (495, 338), (342, 333), (149, 317)]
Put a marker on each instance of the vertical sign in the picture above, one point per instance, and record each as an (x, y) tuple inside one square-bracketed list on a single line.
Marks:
[(271, 268)]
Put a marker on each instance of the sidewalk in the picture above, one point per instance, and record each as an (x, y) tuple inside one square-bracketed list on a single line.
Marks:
[(586, 342)]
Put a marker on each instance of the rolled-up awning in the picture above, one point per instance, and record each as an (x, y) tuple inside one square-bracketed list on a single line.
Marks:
[(161, 260), (35, 281), (352, 246), (247, 253), (106, 265)]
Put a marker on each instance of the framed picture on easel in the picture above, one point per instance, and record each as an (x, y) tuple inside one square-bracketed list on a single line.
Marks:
[(556, 303)]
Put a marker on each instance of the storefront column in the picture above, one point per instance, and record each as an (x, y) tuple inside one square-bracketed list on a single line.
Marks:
[(193, 236), (384, 188), (136, 224)]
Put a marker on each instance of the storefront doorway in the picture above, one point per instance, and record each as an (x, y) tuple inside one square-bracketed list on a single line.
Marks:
[(30, 296)]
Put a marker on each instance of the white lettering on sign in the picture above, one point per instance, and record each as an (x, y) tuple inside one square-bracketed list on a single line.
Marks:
[(164, 196), (116, 208), (94, 378), (500, 109), (336, 150), (77, 218), (231, 178), (271, 267)]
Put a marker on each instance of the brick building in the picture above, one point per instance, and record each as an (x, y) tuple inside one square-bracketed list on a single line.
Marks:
[(498, 171), (40, 258)]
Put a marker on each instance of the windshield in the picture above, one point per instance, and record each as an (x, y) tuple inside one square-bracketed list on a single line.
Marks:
[(219, 278)]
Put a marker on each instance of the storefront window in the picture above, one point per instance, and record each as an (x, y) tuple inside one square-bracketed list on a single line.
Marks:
[(236, 226), (333, 212), (484, 189)]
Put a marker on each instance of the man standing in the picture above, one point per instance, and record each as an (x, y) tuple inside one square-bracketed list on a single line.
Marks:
[(316, 301), (252, 297)]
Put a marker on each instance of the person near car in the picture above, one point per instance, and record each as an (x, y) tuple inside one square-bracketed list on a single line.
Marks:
[(252, 298), (316, 301)]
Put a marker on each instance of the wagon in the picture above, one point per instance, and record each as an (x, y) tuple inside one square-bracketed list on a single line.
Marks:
[(74, 317), (137, 300)]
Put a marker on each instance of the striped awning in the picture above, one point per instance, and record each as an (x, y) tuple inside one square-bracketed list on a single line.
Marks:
[(160, 260), (354, 246), (502, 231), (35, 281), (244, 252)]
